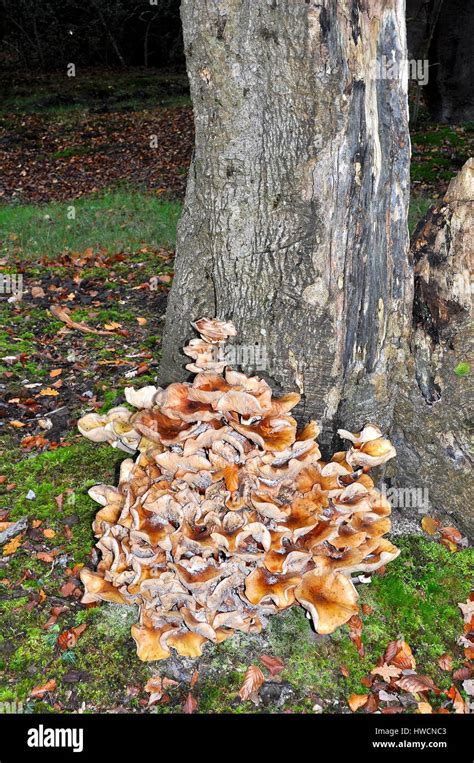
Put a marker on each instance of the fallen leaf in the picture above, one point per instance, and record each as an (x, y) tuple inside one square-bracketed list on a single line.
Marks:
[(190, 705), (355, 632), (430, 525), (273, 664), (67, 589), (13, 545), (425, 708), (449, 544), (112, 326), (55, 372), (386, 671), (17, 424), (49, 392), (446, 662), (468, 687), (142, 321), (399, 653), (37, 292), (49, 533), (58, 312), (451, 534), (415, 684), (458, 703), (155, 688), (462, 674), (40, 691), (253, 680), (344, 670), (44, 557), (355, 701), (194, 679), (67, 640)]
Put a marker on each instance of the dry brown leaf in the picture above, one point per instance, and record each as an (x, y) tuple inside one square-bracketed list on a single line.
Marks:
[(44, 557), (40, 691), (425, 708), (355, 701), (49, 533), (190, 706), (430, 525), (17, 424), (462, 674), (403, 657), (449, 544), (446, 662), (451, 534), (355, 632), (416, 684), (142, 321), (458, 703), (13, 545), (273, 664), (253, 680), (112, 326), (63, 316), (194, 679), (386, 671), (55, 372), (49, 392)]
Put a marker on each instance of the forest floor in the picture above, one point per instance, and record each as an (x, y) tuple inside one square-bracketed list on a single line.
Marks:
[(93, 173)]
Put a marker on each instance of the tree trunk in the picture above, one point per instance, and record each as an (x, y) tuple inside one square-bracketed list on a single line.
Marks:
[(294, 223), (433, 416)]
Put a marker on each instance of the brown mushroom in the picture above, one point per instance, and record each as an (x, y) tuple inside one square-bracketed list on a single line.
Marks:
[(228, 514), (329, 597)]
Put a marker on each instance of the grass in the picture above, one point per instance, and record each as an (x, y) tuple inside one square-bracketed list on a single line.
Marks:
[(419, 206), (119, 220), (59, 95)]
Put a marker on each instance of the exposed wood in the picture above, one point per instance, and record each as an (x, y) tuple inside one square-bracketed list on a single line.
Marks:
[(433, 416)]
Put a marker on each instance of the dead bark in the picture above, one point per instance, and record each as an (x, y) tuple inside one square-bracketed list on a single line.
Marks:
[(294, 224), (433, 415)]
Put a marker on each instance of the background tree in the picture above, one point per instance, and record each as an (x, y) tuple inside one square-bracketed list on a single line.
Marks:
[(442, 32)]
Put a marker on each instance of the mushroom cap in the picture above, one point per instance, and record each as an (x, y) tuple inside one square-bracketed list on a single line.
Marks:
[(262, 585), (330, 598)]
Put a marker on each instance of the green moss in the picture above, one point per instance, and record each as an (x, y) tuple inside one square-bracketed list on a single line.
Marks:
[(415, 599), (50, 474)]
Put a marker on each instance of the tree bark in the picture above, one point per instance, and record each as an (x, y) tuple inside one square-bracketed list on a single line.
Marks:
[(294, 224), (432, 427)]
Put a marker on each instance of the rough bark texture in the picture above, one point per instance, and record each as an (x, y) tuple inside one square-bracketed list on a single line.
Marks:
[(294, 224), (433, 416)]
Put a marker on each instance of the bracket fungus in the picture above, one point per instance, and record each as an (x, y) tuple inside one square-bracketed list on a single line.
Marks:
[(228, 515)]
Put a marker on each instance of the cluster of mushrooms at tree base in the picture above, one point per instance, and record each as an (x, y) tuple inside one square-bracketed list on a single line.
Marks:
[(228, 514)]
